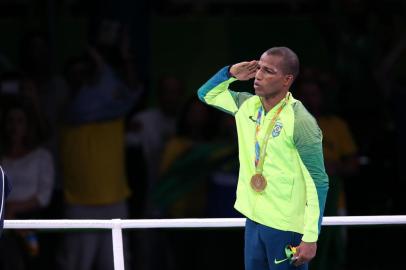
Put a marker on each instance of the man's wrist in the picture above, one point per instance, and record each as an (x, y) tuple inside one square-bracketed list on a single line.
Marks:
[(309, 238), (230, 75), (314, 242)]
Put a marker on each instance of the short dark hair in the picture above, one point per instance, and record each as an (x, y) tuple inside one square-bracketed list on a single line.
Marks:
[(290, 61), (33, 136)]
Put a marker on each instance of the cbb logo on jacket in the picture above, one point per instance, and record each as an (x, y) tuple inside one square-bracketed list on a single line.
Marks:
[(277, 129)]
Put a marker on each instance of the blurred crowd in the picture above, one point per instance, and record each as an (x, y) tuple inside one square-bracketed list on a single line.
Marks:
[(75, 145), (85, 144)]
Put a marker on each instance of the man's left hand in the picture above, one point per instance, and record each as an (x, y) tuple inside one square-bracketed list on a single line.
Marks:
[(304, 253)]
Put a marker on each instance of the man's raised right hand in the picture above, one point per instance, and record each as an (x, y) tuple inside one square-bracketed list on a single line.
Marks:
[(244, 71)]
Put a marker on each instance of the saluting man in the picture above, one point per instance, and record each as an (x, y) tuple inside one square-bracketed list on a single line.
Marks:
[(282, 185)]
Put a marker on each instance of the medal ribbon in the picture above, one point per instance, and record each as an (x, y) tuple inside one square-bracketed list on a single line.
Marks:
[(260, 151)]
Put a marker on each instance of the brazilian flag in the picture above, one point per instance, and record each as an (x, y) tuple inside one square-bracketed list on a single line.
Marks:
[(190, 170)]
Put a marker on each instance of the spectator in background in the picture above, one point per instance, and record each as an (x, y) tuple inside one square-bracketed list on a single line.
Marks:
[(181, 191), (92, 154), (148, 132), (151, 129), (50, 90), (16, 86), (221, 195), (340, 157), (31, 172), (223, 179), (29, 89)]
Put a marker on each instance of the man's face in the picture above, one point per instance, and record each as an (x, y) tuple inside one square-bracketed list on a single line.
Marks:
[(269, 79)]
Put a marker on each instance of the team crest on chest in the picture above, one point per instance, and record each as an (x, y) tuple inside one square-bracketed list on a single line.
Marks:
[(277, 129)]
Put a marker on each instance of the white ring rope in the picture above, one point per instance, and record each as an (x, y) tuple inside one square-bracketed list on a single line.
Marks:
[(3, 180), (117, 225), (185, 223)]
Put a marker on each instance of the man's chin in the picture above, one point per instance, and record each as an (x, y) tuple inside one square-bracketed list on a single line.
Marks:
[(258, 92)]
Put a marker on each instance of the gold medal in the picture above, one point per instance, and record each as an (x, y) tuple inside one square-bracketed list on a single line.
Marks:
[(258, 182)]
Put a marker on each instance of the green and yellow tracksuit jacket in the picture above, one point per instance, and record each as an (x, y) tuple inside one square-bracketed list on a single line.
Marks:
[(297, 183)]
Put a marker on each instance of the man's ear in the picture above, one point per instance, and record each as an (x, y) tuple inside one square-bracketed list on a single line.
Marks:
[(288, 80)]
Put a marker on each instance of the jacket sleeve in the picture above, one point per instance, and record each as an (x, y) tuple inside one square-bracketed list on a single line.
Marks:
[(308, 141), (215, 92)]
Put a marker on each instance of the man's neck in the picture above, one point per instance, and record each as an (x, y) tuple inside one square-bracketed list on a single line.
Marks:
[(269, 102)]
